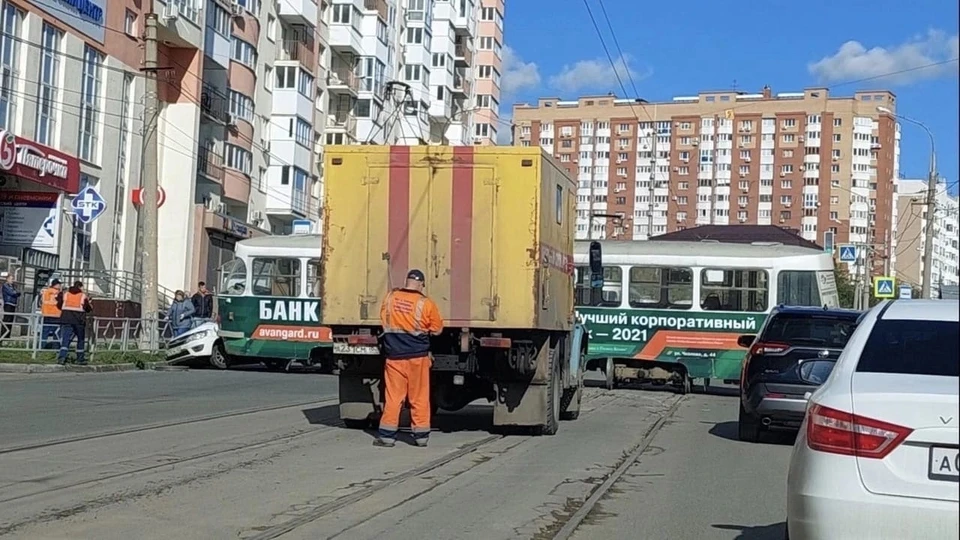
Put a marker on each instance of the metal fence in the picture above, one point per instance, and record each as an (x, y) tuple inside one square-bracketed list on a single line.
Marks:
[(25, 333)]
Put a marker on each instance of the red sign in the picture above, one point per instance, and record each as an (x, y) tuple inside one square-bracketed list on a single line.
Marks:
[(137, 197), (38, 163)]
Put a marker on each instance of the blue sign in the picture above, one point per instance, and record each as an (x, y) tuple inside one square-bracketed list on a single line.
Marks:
[(86, 16), (302, 226), (88, 205), (883, 287), (848, 253)]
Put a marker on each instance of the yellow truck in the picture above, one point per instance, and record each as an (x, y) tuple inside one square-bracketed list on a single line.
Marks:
[(492, 228)]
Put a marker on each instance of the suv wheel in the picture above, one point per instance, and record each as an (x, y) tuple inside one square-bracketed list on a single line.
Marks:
[(748, 427)]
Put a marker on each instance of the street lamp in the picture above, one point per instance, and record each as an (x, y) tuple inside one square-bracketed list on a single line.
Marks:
[(931, 202)]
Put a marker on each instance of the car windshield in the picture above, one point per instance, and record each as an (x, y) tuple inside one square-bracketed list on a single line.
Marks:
[(912, 348), (809, 329)]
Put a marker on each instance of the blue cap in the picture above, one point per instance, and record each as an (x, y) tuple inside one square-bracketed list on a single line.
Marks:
[(416, 275)]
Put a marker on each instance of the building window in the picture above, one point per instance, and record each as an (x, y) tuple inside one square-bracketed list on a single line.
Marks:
[(488, 14), (221, 22), (239, 159), (299, 178), (305, 84), (482, 130), (92, 81), (120, 191), (244, 53), (11, 26), (48, 83), (241, 106), (130, 23), (301, 131)]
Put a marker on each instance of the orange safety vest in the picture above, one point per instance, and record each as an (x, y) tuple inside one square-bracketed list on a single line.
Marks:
[(74, 301), (49, 306)]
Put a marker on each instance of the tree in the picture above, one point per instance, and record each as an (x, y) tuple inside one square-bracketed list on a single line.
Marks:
[(846, 289)]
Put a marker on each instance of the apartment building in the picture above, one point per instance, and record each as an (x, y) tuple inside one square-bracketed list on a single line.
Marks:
[(913, 223), (403, 71), (70, 118), (825, 166), (486, 105)]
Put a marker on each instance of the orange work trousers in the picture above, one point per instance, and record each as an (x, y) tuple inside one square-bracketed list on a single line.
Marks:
[(407, 379)]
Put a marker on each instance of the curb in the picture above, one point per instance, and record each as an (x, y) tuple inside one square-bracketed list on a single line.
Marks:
[(73, 368)]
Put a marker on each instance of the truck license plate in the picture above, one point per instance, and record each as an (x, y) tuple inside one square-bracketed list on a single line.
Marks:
[(346, 348), (944, 464)]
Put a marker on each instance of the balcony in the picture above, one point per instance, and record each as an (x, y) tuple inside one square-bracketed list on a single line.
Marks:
[(214, 105), (380, 6), (295, 50), (461, 85), (463, 55), (342, 121), (180, 23), (210, 164), (216, 47), (342, 80), (298, 11)]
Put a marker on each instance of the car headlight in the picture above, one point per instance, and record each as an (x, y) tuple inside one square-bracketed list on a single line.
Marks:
[(198, 336)]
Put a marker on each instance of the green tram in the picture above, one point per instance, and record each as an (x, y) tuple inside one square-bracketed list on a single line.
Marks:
[(269, 305), (671, 312)]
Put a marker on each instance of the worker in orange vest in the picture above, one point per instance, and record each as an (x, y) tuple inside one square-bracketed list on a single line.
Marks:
[(50, 313), (74, 304), (409, 317)]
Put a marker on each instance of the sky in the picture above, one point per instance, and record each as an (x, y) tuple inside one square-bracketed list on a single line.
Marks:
[(679, 48)]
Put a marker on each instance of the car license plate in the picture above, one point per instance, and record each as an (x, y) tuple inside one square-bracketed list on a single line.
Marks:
[(174, 351), (944, 464), (346, 348)]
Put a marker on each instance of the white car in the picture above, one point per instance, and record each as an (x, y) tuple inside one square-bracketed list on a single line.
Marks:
[(197, 344), (878, 453)]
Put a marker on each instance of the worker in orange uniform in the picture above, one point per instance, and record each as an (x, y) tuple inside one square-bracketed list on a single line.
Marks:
[(74, 304), (409, 317), (50, 313)]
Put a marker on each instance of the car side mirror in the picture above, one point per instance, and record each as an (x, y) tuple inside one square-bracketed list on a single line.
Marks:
[(746, 341)]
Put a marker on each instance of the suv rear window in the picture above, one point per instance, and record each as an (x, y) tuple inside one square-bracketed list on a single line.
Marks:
[(809, 329), (912, 348)]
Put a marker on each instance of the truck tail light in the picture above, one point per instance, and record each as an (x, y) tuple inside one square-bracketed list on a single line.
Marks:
[(838, 432), (768, 347)]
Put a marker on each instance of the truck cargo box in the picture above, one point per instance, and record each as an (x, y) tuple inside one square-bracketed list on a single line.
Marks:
[(491, 228)]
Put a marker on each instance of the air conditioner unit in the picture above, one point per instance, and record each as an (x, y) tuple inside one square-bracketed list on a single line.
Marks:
[(800, 138), (743, 175), (213, 204), (676, 169), (782, 174), (746, 160), (742, 220), (685, 160), (236, 10), (231, 120), (171, 11), (256, 216)]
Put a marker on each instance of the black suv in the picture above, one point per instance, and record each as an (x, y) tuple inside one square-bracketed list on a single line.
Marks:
[(792, 355)]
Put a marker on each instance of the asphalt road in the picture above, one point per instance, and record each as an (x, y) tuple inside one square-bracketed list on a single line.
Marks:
[(637, 464), (37, 408)]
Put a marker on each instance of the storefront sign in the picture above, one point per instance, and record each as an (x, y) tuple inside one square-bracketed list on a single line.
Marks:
[(38, 163), (87, 16), (29, 219)]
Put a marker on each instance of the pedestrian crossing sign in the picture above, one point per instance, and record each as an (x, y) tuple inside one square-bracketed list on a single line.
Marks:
[(848, 253), (883, 287)]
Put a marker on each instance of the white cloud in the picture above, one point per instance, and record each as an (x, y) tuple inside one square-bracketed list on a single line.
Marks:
[(597, 74), (517, 75), (900, 64)]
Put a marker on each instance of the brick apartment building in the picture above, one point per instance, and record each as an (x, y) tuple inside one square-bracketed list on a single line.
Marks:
[(800, 160)]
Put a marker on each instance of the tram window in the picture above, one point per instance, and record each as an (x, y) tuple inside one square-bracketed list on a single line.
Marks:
[(313, 278), (276, 276), (233, 278), (798, 288), (728, 289), (661, 287), (612, 286)]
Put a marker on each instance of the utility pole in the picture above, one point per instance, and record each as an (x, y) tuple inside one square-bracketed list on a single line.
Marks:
[(867, 276), (931, 225), (149, 182)]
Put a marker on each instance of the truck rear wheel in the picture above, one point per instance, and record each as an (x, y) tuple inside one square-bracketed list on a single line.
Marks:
[(554, 397), (610, 371)]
